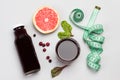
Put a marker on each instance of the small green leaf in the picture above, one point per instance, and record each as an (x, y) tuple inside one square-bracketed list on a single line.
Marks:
[(56, 71), (67, 30), (63, 35), (66, 26)]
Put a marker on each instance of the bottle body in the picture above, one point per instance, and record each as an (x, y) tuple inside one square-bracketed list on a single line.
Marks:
[(26, 51)]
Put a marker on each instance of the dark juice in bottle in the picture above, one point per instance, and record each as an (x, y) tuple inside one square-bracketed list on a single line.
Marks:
[(26, 51)]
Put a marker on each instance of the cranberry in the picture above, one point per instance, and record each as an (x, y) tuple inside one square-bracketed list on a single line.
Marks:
[(40, 43), (44, 49), (43, 45), (47, 44), (50, 60), (34, 35), (47, 57)]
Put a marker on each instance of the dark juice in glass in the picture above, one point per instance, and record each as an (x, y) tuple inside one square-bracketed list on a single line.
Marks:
[(67, 50)]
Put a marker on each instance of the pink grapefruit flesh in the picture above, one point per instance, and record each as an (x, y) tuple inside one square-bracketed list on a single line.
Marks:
[(46, 20)]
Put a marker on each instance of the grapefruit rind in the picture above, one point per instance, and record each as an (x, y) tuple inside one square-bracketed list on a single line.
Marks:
[(37, 27)]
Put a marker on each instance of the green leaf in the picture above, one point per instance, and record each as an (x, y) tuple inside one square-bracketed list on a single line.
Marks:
[(67, 30), (56, 71), (66, 26), (63, 35)]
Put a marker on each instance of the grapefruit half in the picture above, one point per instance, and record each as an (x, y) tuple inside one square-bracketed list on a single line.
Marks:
[(46, 20)]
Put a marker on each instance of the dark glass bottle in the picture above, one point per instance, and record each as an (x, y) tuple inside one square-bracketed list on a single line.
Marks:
[(26, 51)]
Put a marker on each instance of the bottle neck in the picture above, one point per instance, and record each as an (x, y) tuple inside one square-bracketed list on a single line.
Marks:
[(19, 31)]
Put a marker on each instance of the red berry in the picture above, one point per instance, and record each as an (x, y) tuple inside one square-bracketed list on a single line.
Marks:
[(50, 60), (34, 35), (40, 43), (43, 45), (47, 44), (44, 49), (47, 57)]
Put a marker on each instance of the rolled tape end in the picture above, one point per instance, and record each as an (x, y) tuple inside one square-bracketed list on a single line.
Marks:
[(97, 7)]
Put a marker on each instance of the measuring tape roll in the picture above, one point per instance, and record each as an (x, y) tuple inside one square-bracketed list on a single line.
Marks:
[(91, 36)]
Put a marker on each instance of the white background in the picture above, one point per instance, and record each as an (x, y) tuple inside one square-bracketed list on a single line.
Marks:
[(14, 12)]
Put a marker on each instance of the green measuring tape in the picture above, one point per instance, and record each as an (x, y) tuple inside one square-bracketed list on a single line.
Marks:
[(91, 36)]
